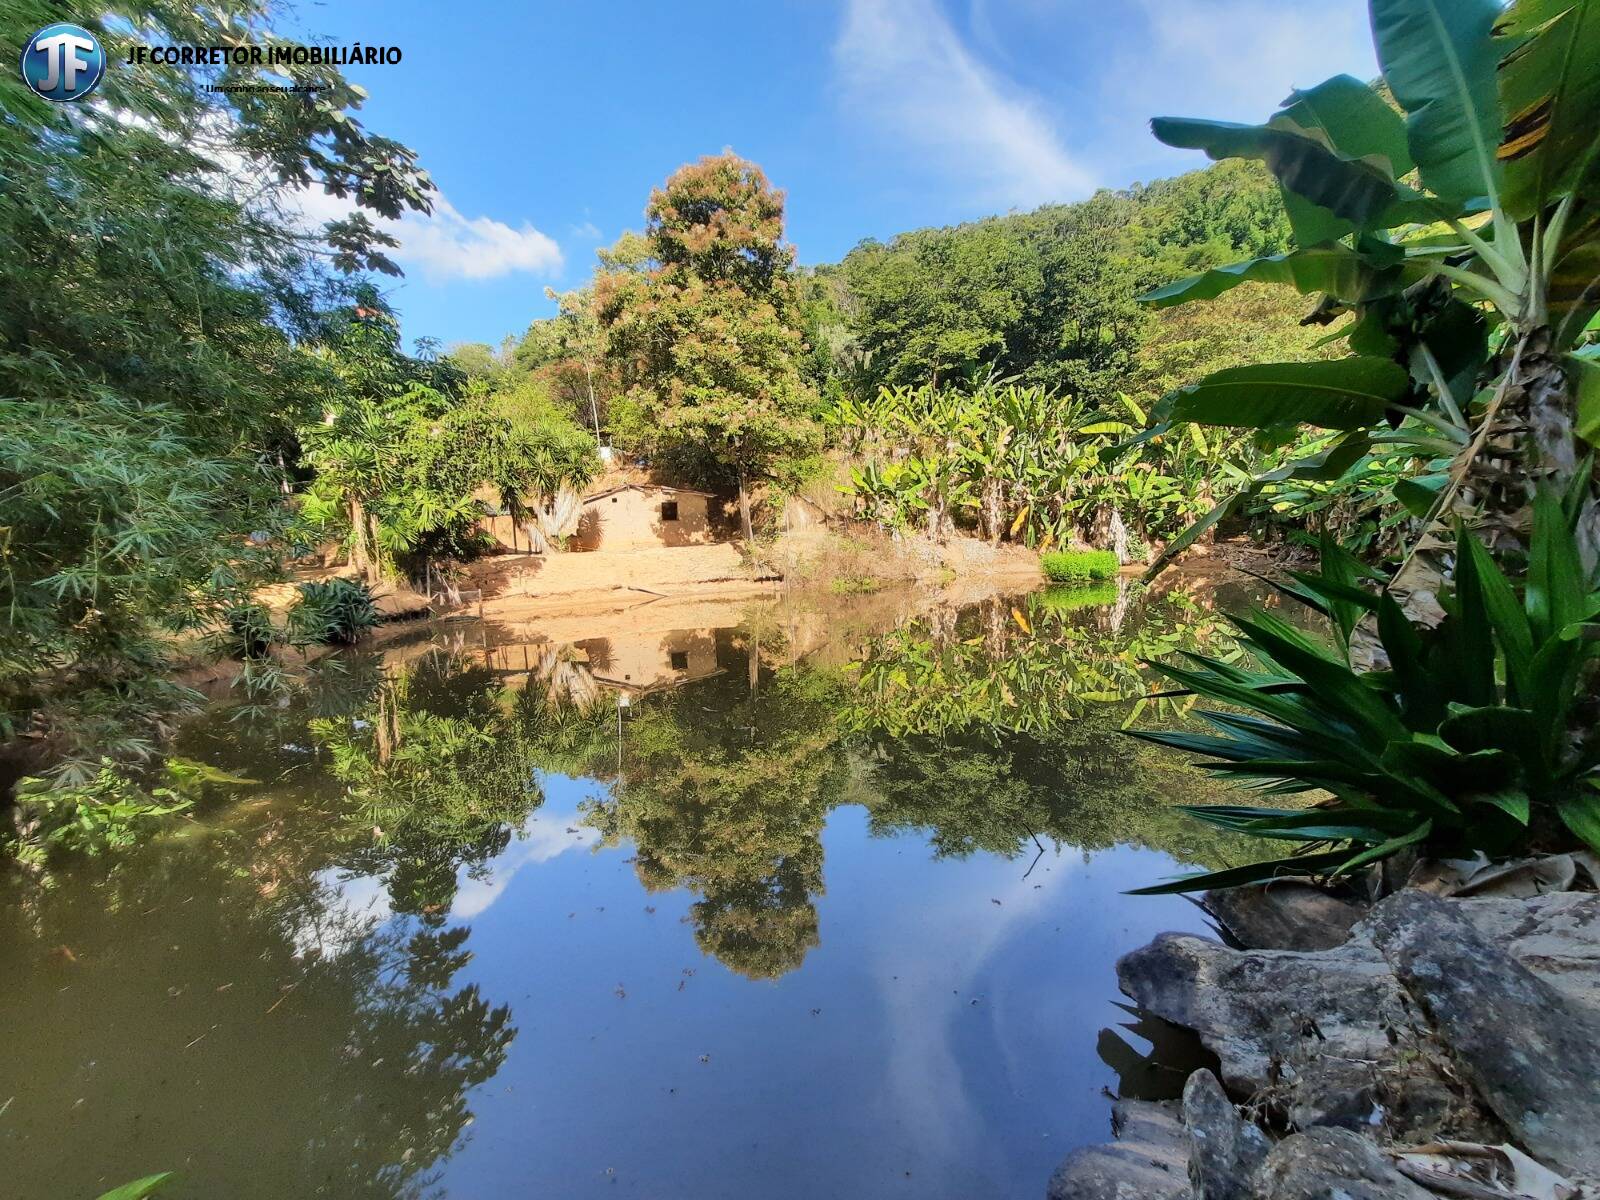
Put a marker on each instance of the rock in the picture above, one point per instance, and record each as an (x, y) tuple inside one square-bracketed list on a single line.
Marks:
[(1555, 937), (1519, 879), (1147, 1161), (1530, 1052), (1332, 1164), (1224, 1148), (1310, 1033), (1284, 915)]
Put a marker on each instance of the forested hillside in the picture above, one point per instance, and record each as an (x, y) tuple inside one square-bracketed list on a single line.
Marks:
[(1049, 296)]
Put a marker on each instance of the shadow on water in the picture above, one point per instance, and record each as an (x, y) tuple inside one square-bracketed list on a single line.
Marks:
[(817, 897)]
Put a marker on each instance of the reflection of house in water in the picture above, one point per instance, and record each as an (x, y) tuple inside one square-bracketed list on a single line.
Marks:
[(635, 515), (633, 662), (652, 662)]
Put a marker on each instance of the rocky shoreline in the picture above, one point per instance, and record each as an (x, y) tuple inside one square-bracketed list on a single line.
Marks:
[(1444, 1041)]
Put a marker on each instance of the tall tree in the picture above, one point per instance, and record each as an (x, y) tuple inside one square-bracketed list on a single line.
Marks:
[(402, 456), (707, 336), (152, 320)]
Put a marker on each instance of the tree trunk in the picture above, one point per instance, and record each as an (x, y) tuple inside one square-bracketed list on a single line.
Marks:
[(594, 411), (744, 509), (1208, 502), (358, 537), (1119, 537), (992, 510), (1542, 396), (1108, 531), (1525, 439)]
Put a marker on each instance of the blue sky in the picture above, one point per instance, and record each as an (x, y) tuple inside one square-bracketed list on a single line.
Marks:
[(546, 125)]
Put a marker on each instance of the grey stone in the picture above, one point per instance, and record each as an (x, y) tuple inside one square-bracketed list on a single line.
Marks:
[(1557, 937), (1285, 915), (1224, 1148), (1148, 1161), (1313, 1034), (1530, 1052), (1332, 1164)]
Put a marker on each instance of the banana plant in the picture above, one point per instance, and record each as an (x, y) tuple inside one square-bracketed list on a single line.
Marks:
[(1459, 229)]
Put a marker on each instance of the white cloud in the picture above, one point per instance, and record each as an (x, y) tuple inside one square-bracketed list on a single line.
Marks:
[(1231, 59), (903, 67), (446, 244)]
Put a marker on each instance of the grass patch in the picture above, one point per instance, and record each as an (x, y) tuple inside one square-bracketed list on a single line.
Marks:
[(855, 585), (1079, 566), (1070, 599)]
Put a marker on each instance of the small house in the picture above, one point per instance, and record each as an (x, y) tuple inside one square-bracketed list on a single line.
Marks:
[(633, 516)]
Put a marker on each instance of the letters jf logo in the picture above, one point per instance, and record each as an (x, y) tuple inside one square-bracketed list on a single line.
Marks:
[(63, 62)]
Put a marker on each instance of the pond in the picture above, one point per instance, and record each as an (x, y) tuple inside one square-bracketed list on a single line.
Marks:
[(791, 898)]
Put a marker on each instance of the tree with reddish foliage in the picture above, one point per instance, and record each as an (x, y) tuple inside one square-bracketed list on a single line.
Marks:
[(706, 335)]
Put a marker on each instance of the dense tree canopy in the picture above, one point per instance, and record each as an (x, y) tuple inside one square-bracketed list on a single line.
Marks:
[(401, 455), (708, 338), (1049, 296)]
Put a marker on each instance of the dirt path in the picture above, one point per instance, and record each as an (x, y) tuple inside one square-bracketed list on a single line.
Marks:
[(519, 582)]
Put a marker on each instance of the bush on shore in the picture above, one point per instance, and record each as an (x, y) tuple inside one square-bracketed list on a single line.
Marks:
[(1079, 566)]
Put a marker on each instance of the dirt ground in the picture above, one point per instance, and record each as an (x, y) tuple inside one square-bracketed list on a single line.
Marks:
[(511, 582)]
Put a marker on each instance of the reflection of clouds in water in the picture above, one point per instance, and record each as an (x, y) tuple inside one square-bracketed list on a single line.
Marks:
[(355, 905), (544, 836), (923, 1077), (358, 904)]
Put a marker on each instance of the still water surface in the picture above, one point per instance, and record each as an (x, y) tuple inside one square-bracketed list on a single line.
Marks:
[(791, 900)]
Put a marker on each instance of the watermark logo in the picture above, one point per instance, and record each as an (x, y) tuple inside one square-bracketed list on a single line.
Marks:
[(63, 62)]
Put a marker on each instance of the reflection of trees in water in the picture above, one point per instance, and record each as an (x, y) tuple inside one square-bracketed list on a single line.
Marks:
[(428, 767), (725, 792), (567, 679), (1005, 734), (442, 765), (1020, 667), (1080, 784), (987, 728), (291, 1030)]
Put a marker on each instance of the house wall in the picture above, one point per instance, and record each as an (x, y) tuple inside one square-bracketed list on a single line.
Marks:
[(631, 518), (504, 533)]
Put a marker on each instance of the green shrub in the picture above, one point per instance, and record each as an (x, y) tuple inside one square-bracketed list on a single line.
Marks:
[(106, 812), (334, 612), (1475, 739), (249, 632), (1079, 566)]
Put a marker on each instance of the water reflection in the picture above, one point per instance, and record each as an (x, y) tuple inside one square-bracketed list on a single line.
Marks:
[(225, 1002), (325, 968)]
